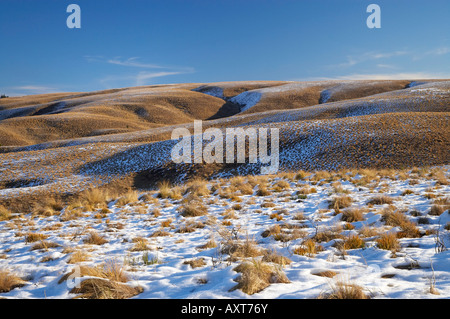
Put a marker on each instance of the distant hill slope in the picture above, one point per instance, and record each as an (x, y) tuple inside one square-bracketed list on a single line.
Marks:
[(65, 143)]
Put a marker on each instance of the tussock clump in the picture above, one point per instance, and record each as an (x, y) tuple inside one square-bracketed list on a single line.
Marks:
[(140, 244), (78, 256), (241, 249), (5, 214), (340, 202), (195, 263), (380, 200), (353, 242), (94, 198), (71, 214), (49, 207), (272, 231), (281, 185), (342, 290), (127, 198), (352, 215), (272, 256), (94, 239), (193, 209), (325, 273), (437, 210), (168, 191), (44, 245), (9, 281), (108, 285), (255, 276), (263, 191), (95, 288), (197, 187), (388, 241), (308, 248), (327, 235), (33, 237), (399, 219)]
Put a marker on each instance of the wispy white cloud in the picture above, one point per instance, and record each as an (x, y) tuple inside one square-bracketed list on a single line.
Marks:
[(353, 60), (31, 89), (140, 78), (134, 62), (436, 52), (143, 77), (387, 76)]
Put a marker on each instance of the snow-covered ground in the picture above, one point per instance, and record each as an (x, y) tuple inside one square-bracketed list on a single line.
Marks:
[(407, 273)]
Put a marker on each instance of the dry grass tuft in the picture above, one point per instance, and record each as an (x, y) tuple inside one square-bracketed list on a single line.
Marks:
[(78, 256), (9, 281), (257, 275), (94, 239), (380, 200), (340, 202), (343, 290), (308, 248), (352, 215), (195, 263), (33, 237), (353, 242), (127, 198), (95, 288), (388, 242), (5, 214), (325, 273), (272, 256), (193, 209), (197, 187)]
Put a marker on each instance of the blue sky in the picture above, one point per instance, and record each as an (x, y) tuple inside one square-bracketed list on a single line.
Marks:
[(143, 42)]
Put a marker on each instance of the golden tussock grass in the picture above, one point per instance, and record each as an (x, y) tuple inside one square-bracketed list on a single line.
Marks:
[(140, 244), (308, 248), (340, 202), (9, 281), (344, 290), (78, 256), (257, 275), (127, 198), (271, 256), (380, 200), (352, 215), (33, 237), (325, 273), (388, 241), (94, 239), (353, 242), (109, 283), (197, 187), (95, 288), (193, 209), (44, 245), (195, 263), (5, 214)]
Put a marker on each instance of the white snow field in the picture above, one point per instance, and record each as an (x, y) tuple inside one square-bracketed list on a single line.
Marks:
[(419, 268)]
